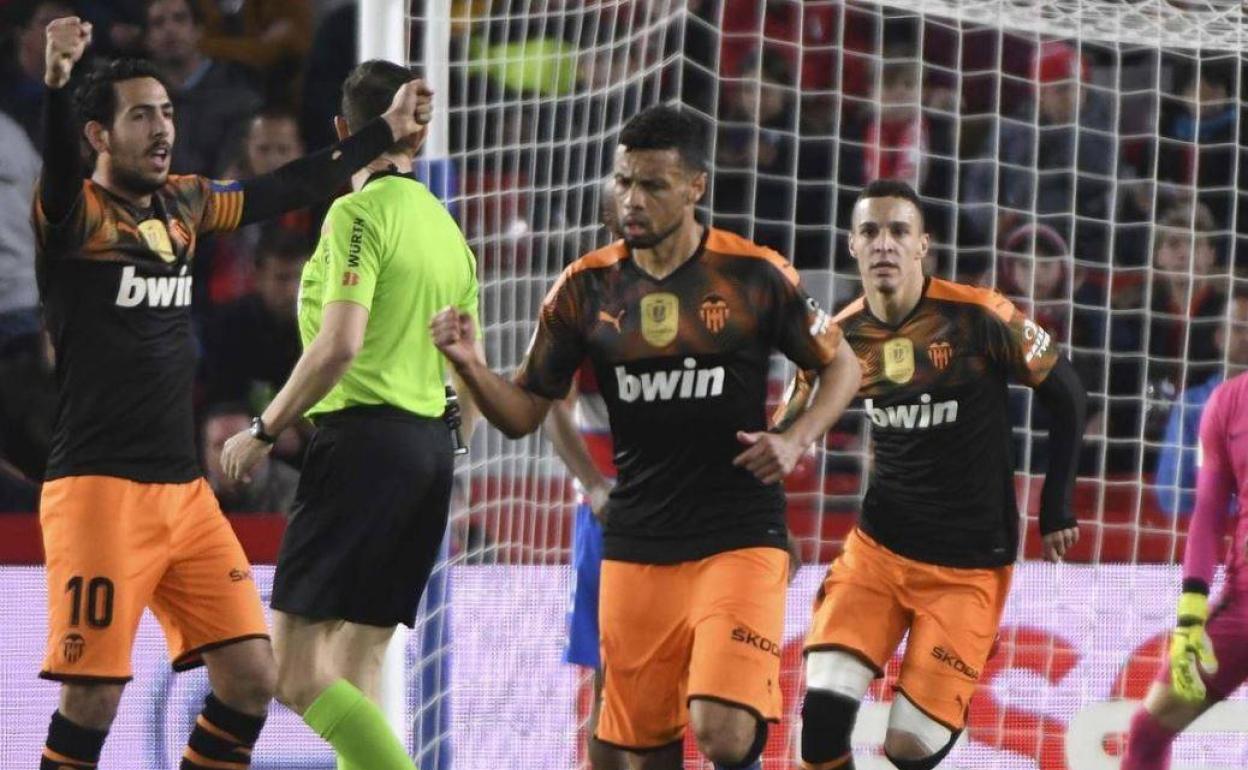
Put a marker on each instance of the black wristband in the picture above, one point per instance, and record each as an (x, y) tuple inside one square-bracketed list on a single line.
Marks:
[(258, 431)]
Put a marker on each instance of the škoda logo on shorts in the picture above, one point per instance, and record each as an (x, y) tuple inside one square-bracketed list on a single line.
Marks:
[(746, 636)]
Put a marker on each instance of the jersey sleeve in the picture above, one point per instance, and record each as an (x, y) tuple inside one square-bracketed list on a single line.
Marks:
[(807, 334), (1018, 344), (470, 303), (558, 346), (85, 215), (1215, 486), (220, 203), (352, 253)]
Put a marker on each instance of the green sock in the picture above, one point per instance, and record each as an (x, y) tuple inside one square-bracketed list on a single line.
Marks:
[(357, 729)]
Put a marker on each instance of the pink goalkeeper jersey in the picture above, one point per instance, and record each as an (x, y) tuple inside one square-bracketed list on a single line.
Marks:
[(1222, 478)]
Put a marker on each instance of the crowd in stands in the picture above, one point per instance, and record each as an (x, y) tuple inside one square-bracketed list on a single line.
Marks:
[(1093, 185)]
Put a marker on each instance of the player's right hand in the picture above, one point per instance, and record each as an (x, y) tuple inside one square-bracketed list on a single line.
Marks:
[(598, 497), (1191, 652), (410, 111), (454, 334), (68, 39)]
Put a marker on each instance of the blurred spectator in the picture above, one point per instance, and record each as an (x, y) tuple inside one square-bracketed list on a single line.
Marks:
[(1162, 336), (251, 345), (1054, 160), (1198, 138), (211, 98), (272, 485), (27, 406), (329, 62), (118, 25), (271, 139), (269, 36), (1176, 463), (896, 140), (1038, 274), (21, 80), (19, 298)]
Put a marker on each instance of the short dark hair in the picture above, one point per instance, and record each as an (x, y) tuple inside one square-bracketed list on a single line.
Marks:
[(197, 18), (369, 89), (892, 188), (665, 127), (96, 96), (281, 243)]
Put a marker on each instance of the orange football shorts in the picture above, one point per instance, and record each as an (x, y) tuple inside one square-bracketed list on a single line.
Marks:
[(871, 597), (701, 629), (116, 546)]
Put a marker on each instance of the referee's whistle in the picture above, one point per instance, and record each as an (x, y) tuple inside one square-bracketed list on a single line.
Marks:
[(452, 418)]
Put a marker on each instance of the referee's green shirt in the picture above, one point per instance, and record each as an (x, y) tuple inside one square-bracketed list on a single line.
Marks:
[(393, 248)]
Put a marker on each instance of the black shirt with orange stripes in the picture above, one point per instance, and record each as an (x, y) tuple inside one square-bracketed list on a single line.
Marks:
[(682, 364), (934, 387), (115, 283)]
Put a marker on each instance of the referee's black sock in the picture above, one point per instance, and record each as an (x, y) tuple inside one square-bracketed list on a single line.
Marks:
[(222, 738), (71, 746)]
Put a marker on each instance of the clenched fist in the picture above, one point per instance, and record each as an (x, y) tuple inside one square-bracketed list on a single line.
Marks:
[(410, 112), (455, 335), (68, 39)]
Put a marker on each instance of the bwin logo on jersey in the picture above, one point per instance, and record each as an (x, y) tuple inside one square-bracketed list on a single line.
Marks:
[(924, 414), (162, 291), (689, 382)]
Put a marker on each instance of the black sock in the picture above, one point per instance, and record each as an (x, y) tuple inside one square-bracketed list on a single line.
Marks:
[(71, 746), (222, 736)]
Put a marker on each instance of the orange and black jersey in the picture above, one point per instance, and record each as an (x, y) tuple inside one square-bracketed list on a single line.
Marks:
[(682, 364), (115, 282), (941, 486)]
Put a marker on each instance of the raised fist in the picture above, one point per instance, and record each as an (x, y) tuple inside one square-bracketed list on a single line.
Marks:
[(67, 39)]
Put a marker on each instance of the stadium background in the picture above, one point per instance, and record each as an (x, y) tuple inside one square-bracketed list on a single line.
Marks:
[(1083, 157)]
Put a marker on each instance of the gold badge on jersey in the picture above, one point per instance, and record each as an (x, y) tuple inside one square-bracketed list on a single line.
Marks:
[(660, 318), (899, 360), (156, 236)]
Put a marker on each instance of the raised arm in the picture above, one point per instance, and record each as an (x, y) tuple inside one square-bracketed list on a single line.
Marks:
[(318, 176), (61, 183)]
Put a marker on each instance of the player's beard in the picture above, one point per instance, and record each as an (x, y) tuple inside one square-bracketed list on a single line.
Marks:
[(650, 240), (137, 182)]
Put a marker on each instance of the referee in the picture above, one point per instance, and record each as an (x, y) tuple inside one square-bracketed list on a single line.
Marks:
[(375, 491)]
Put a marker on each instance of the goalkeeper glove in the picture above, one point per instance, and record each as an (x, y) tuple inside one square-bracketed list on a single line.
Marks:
[(1191, 652)]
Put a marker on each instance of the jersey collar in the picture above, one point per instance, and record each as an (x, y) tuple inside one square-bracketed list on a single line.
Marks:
[(392, 170), (866, 306), (697, 253)]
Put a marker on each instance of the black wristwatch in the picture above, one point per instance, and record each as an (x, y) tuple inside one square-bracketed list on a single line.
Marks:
[(258, 432)]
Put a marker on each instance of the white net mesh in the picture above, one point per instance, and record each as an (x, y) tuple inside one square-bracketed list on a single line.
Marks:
[(1083, 157)]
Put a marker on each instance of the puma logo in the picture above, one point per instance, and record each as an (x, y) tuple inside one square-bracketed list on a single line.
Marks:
[(614, 320)]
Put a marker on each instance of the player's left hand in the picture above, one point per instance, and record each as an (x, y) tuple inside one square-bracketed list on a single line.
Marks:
[(1056, 544), (241, 453), (770, 456)]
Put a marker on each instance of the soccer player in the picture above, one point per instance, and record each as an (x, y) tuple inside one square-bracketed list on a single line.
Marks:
[(933, 550), (1194, 680), (679, 321), (374, 495), (128, 519)]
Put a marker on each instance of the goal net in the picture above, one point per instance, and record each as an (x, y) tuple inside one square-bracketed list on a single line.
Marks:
[(1081, 156)]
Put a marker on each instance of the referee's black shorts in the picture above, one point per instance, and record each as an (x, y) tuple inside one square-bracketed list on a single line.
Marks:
[(368, 517)]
